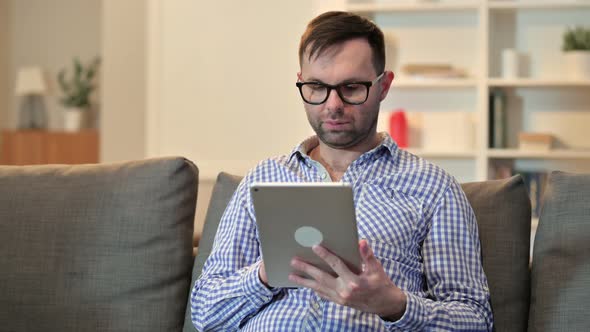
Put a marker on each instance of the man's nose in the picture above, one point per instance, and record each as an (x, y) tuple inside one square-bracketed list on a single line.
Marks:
[(334, 102)]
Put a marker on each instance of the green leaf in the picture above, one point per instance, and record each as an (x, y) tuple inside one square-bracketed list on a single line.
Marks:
[(77, 88), (576, 39)]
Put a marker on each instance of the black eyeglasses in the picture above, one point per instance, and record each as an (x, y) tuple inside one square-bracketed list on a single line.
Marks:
[(353, 93)]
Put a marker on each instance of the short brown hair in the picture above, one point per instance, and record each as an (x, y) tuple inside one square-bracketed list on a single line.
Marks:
[(335, 27)]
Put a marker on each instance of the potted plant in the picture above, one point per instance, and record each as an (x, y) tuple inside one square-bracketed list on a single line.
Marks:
[(76, 89), (576, 48)]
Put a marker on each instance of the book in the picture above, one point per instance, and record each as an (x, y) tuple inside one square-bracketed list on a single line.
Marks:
[(497, 119), (535, 141)]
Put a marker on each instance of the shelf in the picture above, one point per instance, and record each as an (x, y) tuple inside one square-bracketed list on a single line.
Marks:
[(532, 82), (553, 154), (441, 154), (560, 4), (410, 7), (434, 83)]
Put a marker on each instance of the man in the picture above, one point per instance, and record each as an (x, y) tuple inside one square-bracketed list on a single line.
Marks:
[(419, 247)]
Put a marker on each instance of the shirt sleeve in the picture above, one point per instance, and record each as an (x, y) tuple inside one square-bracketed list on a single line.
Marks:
[(457, 291), (229, 290)]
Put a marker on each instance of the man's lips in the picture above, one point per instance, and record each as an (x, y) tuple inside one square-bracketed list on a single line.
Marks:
[(335, 124)]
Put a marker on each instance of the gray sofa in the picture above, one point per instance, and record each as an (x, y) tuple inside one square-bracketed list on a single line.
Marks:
[(96, 247), (108, 247), (552, 297)]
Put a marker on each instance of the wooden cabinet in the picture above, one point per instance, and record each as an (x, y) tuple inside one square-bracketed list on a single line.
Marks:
[(30, 147)]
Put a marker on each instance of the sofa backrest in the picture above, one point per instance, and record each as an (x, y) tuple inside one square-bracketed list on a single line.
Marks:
[(96, 247), (225, 186), (503, 212), (560, 285)]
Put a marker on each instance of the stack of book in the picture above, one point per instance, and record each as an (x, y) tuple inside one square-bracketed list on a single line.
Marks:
[(432, 71)]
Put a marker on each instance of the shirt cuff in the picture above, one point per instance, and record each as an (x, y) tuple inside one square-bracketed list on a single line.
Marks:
[(253, 287), (414, 318)]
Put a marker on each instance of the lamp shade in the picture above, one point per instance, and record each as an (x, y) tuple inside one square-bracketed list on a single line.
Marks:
[(29, 81)]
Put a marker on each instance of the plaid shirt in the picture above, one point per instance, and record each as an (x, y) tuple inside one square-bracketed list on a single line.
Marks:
[(415, 217)]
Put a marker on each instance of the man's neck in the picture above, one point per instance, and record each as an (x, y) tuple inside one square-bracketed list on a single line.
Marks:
[(336, 161)]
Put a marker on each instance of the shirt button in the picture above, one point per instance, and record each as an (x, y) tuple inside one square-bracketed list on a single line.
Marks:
[(316, 305), (323, 176)]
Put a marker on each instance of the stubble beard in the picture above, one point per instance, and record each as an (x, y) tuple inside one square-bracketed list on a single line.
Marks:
[(342, 139)]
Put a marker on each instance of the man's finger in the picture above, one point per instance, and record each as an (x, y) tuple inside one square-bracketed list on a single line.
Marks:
[(304, 282), (322, 277), (369, 261), (323, 292), (334, 262)]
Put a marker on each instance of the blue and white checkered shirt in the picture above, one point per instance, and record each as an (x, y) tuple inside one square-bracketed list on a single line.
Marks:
[(415, 217)]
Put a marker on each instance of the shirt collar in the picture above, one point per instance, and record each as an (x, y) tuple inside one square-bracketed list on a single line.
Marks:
[(302, 150)]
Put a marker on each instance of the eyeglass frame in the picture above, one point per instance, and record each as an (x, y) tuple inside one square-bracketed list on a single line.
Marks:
[(367, 84)]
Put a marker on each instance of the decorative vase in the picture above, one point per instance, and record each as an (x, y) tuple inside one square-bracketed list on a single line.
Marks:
[(577, 65), (398, 128), (74, 119)]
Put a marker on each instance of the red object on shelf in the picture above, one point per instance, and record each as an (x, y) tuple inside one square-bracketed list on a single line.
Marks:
[(398, 128)]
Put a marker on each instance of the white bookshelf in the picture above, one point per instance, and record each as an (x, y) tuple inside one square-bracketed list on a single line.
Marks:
[(538, 4), (369, 7), (527, 82), (470, 35), (405, 82), (570, 154), (449, 154), (417, 6)]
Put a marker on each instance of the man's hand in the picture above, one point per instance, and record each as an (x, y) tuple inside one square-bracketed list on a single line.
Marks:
[(370, 290), (262, 275)]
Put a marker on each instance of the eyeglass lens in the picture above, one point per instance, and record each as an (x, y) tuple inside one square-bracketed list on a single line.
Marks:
[(352, 93)]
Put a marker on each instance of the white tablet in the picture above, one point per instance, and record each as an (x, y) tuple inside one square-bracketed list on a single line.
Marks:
[(292, 217)]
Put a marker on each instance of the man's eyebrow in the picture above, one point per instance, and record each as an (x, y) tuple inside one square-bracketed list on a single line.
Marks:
[(348, 80), (312, 79)]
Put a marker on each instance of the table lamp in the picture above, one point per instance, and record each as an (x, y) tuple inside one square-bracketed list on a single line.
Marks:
[(30, 87)]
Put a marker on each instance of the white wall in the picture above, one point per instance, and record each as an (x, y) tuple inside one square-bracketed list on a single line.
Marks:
[(221, 83), (49, 34), (5, 47), (123, 81), (224, 73)]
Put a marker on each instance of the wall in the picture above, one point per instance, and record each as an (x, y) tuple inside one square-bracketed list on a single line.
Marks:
[(221, 83), (123, 98), (5, 93), (224, 73), (49, 34)]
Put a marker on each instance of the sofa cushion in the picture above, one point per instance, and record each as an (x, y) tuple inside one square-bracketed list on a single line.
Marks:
[(503, 212), (96, 247), (561, 256), (223, 190)]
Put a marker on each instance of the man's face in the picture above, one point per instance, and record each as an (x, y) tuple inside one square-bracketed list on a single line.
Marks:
[(337, 124)]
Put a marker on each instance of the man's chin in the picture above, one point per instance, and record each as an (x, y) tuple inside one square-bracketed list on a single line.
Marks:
[(337, 139)]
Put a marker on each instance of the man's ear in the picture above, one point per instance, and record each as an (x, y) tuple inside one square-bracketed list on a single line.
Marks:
[(386, 81), (299, 79)]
